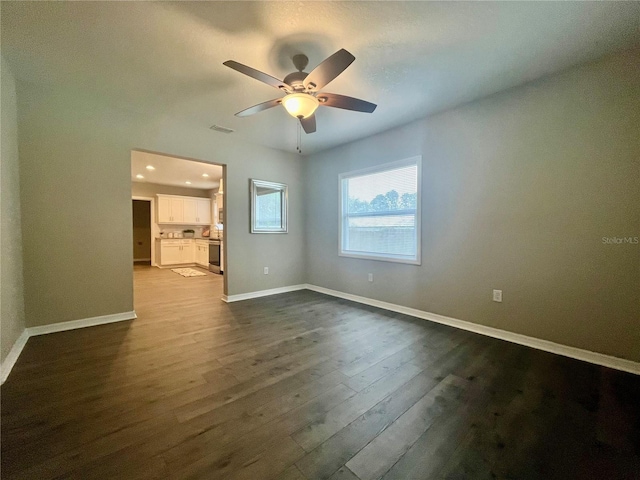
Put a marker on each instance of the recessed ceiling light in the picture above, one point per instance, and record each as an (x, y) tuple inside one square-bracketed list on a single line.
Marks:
[(139, 176), (205, 175), (188, 183), (150, 167)]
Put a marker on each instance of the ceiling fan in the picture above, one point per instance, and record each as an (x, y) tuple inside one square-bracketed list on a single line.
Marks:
[(302, 89)]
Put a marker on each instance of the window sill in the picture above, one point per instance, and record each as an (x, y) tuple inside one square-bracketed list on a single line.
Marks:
[(382, 258)]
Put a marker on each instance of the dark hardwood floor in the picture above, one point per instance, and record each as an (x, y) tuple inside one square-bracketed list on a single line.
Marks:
[(305, 386)]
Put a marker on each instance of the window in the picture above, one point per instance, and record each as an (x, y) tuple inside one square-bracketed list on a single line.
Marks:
[(380, 212)]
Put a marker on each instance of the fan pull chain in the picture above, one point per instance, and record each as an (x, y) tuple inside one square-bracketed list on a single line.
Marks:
[(299, 139)]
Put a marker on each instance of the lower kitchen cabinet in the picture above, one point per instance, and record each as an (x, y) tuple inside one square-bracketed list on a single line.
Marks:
[(170, 254), (188, 251), (177, 252), (202, 253)]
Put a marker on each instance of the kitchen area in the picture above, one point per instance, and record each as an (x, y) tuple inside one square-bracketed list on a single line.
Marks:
[(178, 213), (200, 244)]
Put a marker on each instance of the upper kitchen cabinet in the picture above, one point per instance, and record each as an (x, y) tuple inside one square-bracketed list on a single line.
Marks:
[(197, 211), (184, 210), (170, 209)]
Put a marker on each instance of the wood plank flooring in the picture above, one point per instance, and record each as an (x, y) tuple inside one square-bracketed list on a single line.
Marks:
[(303, 386)]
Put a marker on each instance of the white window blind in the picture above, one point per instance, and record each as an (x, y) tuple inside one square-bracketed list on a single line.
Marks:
[(380, 212)]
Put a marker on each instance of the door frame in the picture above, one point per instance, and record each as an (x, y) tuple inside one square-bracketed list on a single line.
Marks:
[(227, 205), (152, 207)]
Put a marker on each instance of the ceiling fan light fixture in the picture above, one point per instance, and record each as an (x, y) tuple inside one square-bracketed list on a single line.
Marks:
[(303, 91), (300, 105)]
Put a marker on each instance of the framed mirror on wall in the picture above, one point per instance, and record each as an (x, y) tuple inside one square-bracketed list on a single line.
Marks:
[(268, 206)]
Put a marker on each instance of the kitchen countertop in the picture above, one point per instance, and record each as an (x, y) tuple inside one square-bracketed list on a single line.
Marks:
[(189, 238)]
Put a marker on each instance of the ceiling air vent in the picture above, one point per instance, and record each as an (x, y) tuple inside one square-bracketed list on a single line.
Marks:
[(218, 128)]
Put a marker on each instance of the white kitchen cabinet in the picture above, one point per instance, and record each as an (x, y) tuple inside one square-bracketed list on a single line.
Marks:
[(164, 209), (202, 253), (190, 214), (177, 252), (184, 210), (197, 211), (203, 211), (170, 252), (188, 251), (170, 209)]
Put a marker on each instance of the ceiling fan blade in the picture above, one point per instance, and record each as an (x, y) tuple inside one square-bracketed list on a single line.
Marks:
[(347, 103), (259, 107), (328, 70), (257, 74), (309, 124)]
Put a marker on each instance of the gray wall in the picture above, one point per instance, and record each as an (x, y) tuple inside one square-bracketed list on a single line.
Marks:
[(518, 191), (12, 293), (75, 156)]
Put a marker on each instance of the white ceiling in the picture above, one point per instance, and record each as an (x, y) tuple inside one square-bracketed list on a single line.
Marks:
[(412, 58), (174, 171)]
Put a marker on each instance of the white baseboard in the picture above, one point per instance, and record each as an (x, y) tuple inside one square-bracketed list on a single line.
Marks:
[(13, 355), (545, 345), (552, 347), (85, 322), (27, 333), (262, 293)]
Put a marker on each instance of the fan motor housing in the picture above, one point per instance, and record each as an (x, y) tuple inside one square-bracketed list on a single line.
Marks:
[(295, 79)]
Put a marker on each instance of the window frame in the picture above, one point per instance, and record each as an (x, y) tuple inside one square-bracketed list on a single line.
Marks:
[(343, 203)]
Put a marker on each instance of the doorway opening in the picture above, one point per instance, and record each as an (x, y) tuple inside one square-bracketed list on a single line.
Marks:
[(141, 208), (178, 220)]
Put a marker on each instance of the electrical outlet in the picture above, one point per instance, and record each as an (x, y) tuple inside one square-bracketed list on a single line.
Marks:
[(497, 295), (266, 270), (370, 276)]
